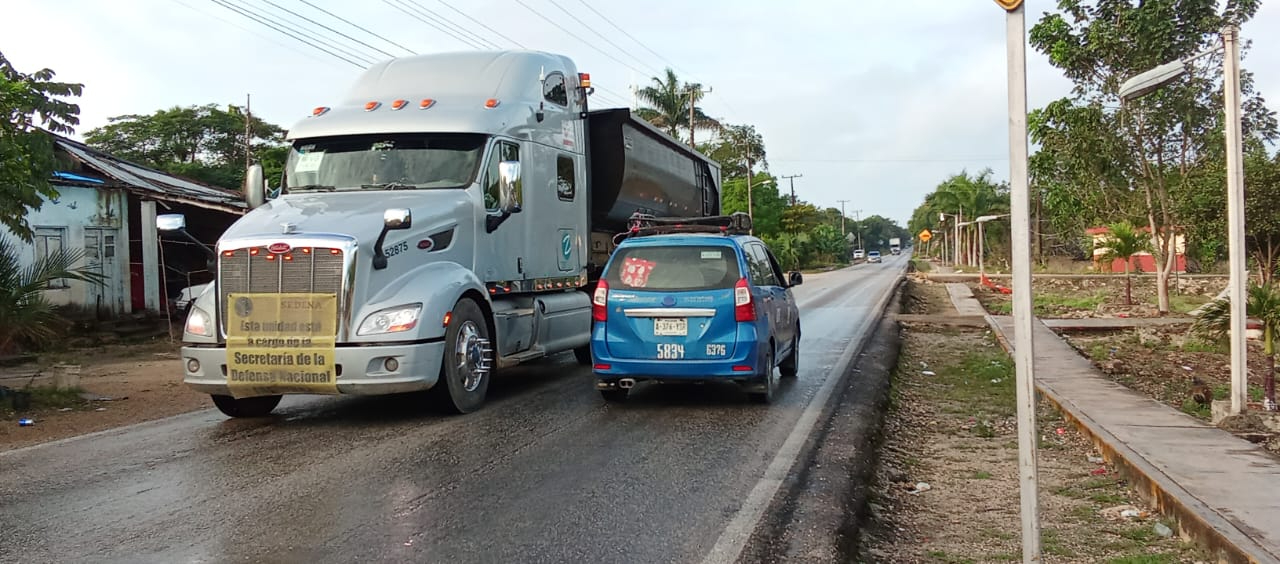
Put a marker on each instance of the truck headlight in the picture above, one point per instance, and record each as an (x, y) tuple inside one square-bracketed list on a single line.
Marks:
[(199, 323), (391, 320)]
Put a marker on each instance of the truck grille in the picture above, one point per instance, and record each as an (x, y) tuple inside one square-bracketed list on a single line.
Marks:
[(300, 270)]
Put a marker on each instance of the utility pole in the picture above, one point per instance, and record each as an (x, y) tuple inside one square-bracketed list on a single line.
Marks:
[(857, 217), (793, 178), (248, 135), (842, 231), (694, 88)]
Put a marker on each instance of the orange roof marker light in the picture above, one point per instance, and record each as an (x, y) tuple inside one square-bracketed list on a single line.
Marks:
[(371, 106), (584, 79), (319, 111), (398, 104), (426, 103), (491, 103)]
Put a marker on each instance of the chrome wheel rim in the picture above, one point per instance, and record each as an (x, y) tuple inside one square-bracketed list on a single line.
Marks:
[(471, 354)]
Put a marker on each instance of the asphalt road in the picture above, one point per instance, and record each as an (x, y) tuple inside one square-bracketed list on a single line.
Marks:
[(546, 472)]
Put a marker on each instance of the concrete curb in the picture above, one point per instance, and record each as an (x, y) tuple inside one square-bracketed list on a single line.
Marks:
[(1196, 520)]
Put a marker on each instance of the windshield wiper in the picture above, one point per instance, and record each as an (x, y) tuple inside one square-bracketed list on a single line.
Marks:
[(389, 186), (310, 187)]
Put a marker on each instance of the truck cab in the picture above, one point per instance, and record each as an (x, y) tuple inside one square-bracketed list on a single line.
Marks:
[(433, 226)]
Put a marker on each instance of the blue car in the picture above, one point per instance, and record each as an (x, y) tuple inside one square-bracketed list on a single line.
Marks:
[(692, 306)]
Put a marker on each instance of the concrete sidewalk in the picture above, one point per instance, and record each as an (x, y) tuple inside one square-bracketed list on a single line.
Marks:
[(1222, 489)]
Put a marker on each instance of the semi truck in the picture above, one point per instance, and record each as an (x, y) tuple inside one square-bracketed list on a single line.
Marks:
[(446, 219), (895, 245)]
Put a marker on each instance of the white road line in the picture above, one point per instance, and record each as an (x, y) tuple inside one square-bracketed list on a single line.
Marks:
[(734, 538)]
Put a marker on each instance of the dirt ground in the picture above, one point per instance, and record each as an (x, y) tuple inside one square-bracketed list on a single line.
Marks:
[(144, 382), (947, 486), (1104, 296)]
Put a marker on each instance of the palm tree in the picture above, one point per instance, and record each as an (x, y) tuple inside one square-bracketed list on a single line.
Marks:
[(1264, 305), (668, 105), (25, 315), (1122, 242)]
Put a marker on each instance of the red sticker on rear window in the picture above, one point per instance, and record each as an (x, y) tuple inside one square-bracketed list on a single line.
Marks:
[(635, 272)]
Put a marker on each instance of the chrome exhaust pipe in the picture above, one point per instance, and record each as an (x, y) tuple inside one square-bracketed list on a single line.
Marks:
[(627, 383)]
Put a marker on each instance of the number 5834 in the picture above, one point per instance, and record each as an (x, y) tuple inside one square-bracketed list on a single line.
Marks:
[(670, 351)]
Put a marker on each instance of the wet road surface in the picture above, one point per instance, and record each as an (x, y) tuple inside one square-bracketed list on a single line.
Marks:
[(546, 472)]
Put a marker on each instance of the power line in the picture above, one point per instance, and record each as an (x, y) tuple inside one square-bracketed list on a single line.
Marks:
[(444, 30), (495, 32), (251, 32), (450, 23), (352, 24), (352, 52), (328, 28), (575, 36), (284, 31), (601, 36)]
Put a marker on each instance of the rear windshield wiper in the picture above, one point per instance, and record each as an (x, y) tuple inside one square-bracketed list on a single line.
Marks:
[(310, 187), (389, 186)]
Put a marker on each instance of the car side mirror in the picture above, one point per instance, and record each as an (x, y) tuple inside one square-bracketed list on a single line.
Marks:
[(794, 278), (509, 187)]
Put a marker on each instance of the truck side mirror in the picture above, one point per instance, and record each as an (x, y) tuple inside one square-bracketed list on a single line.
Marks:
[(392, 220), (171, 222), (794, 278), (255, 186), (509, 187)]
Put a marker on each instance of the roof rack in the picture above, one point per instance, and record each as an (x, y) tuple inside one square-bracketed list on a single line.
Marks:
[(642, 224)]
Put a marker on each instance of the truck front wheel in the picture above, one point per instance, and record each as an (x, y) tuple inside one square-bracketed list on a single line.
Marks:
[(468, 360), (259, 406)]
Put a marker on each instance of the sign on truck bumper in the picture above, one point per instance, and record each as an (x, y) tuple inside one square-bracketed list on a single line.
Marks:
[(359, 370)]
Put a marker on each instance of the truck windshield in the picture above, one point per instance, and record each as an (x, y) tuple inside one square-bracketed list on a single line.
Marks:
[(410, 161)]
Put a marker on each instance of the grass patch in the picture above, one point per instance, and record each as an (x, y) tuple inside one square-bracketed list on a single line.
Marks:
[(1145, 559), (1182, 303), (1195, 409), (1050, 543), (942, 556), (921, 265), (982, 475), (1201, 346), (48, 397)]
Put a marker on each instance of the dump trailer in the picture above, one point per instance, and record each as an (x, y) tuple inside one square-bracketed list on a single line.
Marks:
[(446, 219)]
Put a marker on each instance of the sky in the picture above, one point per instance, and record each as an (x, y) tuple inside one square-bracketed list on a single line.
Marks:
[(873, 103)]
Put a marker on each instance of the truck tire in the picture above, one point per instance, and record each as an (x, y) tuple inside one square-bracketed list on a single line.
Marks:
[(259, 406), (583, 354), (467, 363)]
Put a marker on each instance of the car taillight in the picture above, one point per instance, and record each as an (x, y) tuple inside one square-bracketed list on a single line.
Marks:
[(599, 301), (743, 308)]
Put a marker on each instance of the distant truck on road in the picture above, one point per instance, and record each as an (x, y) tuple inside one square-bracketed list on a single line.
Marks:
[(895, 245), (448, 218)]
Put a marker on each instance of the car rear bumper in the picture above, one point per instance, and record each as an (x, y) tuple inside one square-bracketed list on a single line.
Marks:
[(743, 365), (361, 370)]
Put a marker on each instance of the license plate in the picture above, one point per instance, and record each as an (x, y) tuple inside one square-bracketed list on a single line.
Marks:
[(671, 327)]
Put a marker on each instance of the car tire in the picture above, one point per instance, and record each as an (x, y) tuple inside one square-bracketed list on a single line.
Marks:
[(583, 354), (467, 364), (790, 367), (617, 395), (258, 406), (770, 383)]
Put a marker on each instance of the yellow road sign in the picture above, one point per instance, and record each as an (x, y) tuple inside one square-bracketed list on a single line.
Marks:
[(925, 235), (1009, 5)]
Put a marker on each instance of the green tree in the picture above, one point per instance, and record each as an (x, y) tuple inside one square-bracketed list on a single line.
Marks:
[(767, 203), (738, 148), (1147, 148), (25, 316), (30, 102), (1264, 305), (1122, 242), (969, 196), (668, 102), (206, 143)]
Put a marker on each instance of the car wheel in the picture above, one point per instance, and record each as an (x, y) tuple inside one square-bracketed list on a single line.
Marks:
[(618, 395), (790, 367), (259, 406), (468, 360), (766, 384), (583, 354)]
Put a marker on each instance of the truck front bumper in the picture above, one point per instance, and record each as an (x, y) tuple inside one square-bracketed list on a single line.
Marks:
[(361, 370)]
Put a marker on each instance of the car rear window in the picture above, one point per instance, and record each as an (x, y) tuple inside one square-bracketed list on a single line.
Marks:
[(674, 268)]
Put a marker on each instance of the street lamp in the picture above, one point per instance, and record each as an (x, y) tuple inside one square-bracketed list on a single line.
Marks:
[(1149, 81), (750, 208), (982, 268)]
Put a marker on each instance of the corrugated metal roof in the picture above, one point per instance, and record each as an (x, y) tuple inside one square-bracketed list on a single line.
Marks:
[(149, 182)]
